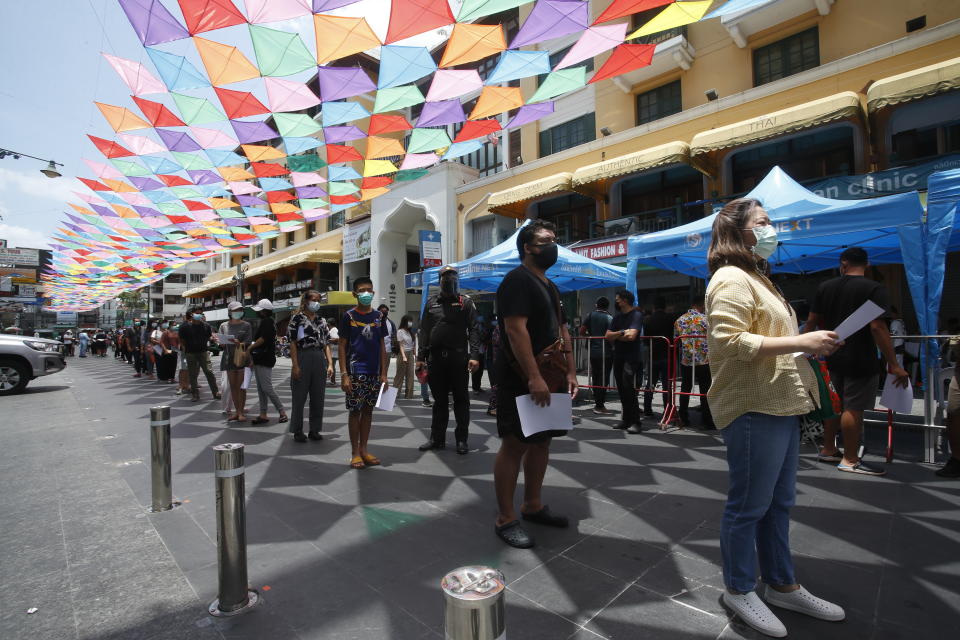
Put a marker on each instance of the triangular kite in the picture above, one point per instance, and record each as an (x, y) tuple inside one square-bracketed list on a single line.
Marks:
[(530, 113), (337, 83), (340, 112), (207, 15), (176, 71), (152, 22), (418, 161), (435, 114), (338, 135), (109, 148), (397, 98), (305, 163), (473, 9), (422, 140), (453, 83), (276, 10), (259, 152), (239, 104), (623, 8), (382, 123), (246, 132), (158, 114), (135, 75), (268, 169), (477, 129), (559, 82), (625, 59), (121, 118), (342, 153), (340, 36), (224, 64), (280, 53), (295, 124), (552, 19), (676, 15), (514, 65), (341, 173), (403, 65), (378, 147), (378, 168), (412, 17), (593, 41), (287, 95), (212, 138), (494, 100), (470, 42), (375, 182), (197, 110)]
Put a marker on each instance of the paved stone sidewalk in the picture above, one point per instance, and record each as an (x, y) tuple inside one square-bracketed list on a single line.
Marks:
[(340, 554)]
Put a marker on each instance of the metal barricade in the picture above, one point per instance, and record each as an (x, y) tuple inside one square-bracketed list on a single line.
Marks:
[(679, 342)]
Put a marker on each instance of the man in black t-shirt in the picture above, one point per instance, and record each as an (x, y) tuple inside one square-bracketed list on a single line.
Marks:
[(195, 334), (623, 333), (658, 325), (529, 307), (595, 325), (854, 368)]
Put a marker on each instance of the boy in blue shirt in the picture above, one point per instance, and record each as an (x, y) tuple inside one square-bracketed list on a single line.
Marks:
[(363, 368)]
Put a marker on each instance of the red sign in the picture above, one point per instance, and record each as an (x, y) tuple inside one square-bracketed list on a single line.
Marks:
[(603, 250)]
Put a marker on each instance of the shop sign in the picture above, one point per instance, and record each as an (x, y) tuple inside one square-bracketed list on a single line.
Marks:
[(603, 250), (431, 254), (27, 290), (30, 257), (883, 183), (67, 317), (356, 242)]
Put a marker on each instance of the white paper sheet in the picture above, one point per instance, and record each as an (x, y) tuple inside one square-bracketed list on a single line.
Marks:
[(224, 338), (857, 320), (897, 398), (557, 415), (387, 398)]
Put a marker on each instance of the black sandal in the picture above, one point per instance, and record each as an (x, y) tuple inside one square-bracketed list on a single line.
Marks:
[(259, 420), (283, 419), (546, 518), (514, 535)]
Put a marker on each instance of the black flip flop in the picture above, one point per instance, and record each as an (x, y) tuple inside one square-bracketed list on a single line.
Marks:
[(283, 419), (544, 517), (514, 535), (259, 420)]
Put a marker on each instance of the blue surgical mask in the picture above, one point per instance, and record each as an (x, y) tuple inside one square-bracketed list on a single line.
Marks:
[(198, 316), (365, 298), (313, 306), (767, 243), (236, 315)]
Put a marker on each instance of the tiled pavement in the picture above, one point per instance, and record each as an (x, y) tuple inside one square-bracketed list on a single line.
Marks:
[(340, 554)]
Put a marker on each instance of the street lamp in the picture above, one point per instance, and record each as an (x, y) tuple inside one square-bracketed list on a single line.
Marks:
[(50, 171)]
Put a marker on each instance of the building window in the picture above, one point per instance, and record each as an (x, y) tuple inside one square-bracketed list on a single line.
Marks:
[(177, 278), (482, 235), (169, 299), (312, 229), (158, 305), (196, 278), (783, 58), (655, 200), (487, 160), (659, 103), (569, 134), (273, 244), (258, 251), (573, 215), (290, 238), (822, 154), (335, 221)]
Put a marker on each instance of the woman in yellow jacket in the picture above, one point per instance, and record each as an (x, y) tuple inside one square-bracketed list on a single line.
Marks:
[(759, 391)]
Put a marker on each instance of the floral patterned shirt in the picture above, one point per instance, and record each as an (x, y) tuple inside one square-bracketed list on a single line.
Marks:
[(693, 351)]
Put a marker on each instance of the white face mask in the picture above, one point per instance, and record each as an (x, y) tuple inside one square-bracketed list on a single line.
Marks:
[(767, 243), (313, 306), (236, 315)]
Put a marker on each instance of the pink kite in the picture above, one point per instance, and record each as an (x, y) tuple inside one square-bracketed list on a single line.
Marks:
[(287, 95), (212, 138), (306, 178), (452, 83), (419, 160), (593, 41), (140, 145), (276, 10), (135, 75)]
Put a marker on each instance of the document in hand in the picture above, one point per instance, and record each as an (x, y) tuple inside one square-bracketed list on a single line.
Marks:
[(224, 338), (857, 320), (557, 415), (387, 398), (896, 398)]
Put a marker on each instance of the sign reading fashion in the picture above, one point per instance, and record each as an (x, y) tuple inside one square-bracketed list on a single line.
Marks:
[(430, 252), (603, 250), (356, 242)]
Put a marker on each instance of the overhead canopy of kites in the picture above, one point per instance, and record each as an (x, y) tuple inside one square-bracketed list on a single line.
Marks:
[(256, 117)]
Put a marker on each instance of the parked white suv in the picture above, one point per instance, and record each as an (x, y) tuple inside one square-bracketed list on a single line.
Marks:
[(23, 358)]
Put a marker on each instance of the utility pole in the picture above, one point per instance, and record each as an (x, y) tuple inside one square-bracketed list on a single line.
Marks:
[(239, 279)]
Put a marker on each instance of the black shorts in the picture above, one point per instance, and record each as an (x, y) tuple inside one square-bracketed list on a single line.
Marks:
[(508, 419)]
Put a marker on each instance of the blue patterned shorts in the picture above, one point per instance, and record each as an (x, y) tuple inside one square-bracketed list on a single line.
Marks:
[(366, 388)]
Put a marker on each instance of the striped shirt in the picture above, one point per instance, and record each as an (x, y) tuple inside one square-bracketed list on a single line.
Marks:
[(742, 309)]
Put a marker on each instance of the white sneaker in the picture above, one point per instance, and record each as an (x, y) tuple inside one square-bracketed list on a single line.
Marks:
[(750, 608), (802, 601)]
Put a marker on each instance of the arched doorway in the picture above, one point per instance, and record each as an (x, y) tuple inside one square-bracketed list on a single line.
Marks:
[(396, 252)]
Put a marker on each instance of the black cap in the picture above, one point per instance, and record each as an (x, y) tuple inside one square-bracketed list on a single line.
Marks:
[(447, 269)]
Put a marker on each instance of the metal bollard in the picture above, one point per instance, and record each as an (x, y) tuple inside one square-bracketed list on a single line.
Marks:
[(233, 595), (160, 475), (473, 600)]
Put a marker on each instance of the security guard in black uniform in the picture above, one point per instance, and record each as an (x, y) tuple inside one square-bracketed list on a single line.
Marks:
[(450, 346)]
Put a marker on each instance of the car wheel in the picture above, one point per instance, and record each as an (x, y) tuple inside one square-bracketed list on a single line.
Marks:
[(13, 377)]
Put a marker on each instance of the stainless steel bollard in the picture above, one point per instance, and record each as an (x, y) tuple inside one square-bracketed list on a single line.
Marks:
[(160, 459), (233, 595), (473, 600), (930, 392)]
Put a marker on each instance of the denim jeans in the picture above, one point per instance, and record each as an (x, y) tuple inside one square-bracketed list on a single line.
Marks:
[(762, 455)]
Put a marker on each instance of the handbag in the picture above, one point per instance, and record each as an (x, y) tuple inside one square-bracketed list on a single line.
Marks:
[(551, 361), (240, 355), (811, 424)]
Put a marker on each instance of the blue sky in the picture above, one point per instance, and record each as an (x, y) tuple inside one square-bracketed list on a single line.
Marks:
[(53, 71)]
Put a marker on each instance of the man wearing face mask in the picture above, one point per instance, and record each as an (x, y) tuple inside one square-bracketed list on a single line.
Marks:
[(623, 332), (195, 335), (450, 345)]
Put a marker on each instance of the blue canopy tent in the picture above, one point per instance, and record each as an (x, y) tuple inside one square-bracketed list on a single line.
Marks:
[(483, 272)]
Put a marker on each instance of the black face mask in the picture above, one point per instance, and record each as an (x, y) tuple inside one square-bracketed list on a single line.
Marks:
[(547, 256), (449, 286)]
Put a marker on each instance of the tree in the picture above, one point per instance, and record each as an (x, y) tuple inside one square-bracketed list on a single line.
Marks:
[(132, 300)]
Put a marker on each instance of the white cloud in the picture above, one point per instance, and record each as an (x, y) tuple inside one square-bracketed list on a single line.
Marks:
[(23, 237), (37, 185)]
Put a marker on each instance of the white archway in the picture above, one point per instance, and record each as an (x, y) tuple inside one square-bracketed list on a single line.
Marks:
[(397, 233)]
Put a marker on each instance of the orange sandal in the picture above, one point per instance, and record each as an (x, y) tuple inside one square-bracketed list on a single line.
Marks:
[(371, 460), (356, 462)]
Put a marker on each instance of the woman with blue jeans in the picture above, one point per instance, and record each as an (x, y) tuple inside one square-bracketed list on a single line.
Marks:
[(759, 391)]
